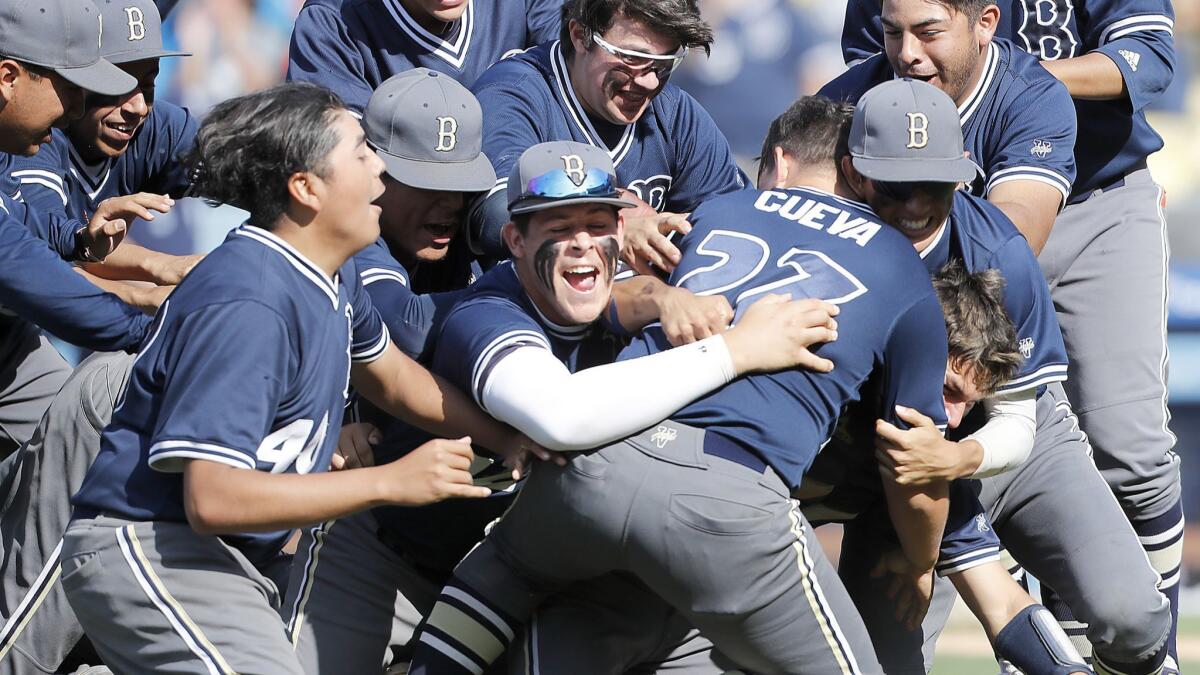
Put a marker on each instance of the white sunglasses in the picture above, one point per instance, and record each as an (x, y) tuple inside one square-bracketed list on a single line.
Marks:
[(662, 65)]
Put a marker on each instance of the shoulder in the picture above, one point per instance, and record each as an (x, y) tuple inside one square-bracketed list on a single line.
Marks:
[(852, 84), (1025, 69), (519, 73)]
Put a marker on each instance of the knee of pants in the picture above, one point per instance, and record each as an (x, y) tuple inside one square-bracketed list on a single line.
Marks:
[(1127, 627)]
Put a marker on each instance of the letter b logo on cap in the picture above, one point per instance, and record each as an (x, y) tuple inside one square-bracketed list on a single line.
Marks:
[(137, 23), (918, 131), (573, 165), (447, 134)]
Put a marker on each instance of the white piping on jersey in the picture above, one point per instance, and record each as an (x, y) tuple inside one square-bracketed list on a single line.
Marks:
[(370, 276), (501, 184), (454, 53), (183, 449), (303, 265), (1055, 372), (489, 353), (843, 200), (937, 239), (1051, 178), (982, 87), (92, 179), (375, 350), (566, 93), (47, 179), (1133, 24)]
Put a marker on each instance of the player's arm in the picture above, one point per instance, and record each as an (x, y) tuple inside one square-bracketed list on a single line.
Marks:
[(409, 316), (543, 19), (862, 31), (322, 52), (685, 317), (1031, 205), (1133, 57), (529, 388), (130, 262), (145, 297)]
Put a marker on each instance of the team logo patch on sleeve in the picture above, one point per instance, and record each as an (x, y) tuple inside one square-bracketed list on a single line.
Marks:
[(1026, 346), (1041, 149)]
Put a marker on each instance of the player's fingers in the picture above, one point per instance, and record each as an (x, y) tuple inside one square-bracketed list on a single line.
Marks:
[(667, 251), (889, 432), (913, 416), (809, 361), (337, 462), (466, 491)]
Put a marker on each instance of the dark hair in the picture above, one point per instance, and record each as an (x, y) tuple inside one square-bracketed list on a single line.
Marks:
[(980, 332), (249, 146), (972, 8), (812, 130), (678, 19), (35, 72)]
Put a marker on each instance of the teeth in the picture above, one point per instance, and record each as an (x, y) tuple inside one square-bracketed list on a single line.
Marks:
[(914, 224), (581, 269)]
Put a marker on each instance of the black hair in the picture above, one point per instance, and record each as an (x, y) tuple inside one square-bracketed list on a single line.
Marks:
[(814, 130), (248, 147), (979, 330), (678, 19)]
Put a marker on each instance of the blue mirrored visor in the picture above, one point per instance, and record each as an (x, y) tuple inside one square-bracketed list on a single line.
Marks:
[(558, 184)]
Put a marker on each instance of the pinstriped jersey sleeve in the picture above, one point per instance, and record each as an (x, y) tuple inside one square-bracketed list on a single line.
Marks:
[(1138, 35), (1036, 140), (477, 335), (369, 337)]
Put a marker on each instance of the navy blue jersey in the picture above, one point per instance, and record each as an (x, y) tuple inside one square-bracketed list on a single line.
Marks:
[(1000, 129), (812, 245), (494, 318), (248, 365), (352, 46), (979, 234), (1138, 35), (57, 180), (673, 157), (36, 284)]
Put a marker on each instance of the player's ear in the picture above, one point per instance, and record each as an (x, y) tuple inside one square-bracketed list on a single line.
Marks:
[(578, 36), (513, 239), (985, 27), (853, 178), (302, 189), (782, 167), (10, 72)]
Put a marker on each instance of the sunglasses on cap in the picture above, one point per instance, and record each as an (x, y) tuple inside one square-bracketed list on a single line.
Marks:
[(637, 63), (558, 184), (902, 192)]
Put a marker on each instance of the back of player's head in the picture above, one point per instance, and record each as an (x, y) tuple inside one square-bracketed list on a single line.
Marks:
[(811, 130), (980, 333), (677, 19), (248, 147)]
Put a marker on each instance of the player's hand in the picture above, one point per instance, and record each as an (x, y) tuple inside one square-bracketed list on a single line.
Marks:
[(646, 244), (910, 590), (109, 224), (775, 334), (918, 455), (519, 454), (171, 269), (687, 317), (435, 471), (354, 446)]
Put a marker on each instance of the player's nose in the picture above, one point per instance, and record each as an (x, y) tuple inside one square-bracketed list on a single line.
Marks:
[(136, 103), (954, 413), (910, 49), (648, 80)]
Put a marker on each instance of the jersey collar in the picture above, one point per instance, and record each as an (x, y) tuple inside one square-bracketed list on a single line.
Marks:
[(453, 51), (307, 269), (937, 240), (983, 86), (93, 177), (566, 96)]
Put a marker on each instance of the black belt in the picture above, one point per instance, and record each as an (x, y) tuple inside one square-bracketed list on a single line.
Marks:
[(1119, 182), (727, 448)]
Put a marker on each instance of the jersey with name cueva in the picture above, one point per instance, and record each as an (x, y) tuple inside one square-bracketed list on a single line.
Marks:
[(1138, 35), (247, 365), (811, 244), (673, 157), (494, 318), (1018, 122), (58, 180), (982, 237), (352, 46)]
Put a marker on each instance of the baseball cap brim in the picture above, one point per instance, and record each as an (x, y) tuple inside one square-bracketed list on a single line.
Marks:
[(475, 175), (532, 204), (101, 77), (141, 55), (891, 170)]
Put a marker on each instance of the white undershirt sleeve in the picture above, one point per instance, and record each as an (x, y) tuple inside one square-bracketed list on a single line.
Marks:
[(1007, 437), (534, 392)]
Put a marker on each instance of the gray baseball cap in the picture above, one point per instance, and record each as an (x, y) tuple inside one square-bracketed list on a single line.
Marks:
[(62, 36), (560, 173), (907, 131), (428, 130), (132, 31)]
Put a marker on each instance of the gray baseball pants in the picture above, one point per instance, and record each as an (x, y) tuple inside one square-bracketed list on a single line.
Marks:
[(31, 373), (719, 541), (158, 597), (37, 482)]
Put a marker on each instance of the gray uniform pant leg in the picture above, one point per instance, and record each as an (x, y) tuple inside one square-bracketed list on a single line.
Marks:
[(39, 627), (1106, 263), (611, 625), (723, 544), (158, 597), (1058, 519), (31, 373), (351, 599)]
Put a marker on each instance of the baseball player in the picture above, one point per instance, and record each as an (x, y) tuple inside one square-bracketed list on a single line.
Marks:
[(121, 146), (1027, 160), (697, 507), (604, 83), (49, 52), (143, 542), (1115, 58), (1028, 501), (534, 320), (352, 46)]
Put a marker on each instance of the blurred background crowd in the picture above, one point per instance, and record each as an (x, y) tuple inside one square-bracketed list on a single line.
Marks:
[(767, 53)]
